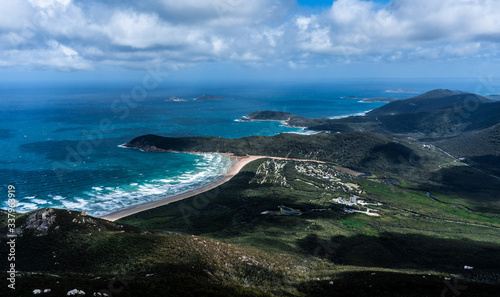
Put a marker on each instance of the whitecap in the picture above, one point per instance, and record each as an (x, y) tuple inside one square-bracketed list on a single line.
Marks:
[(102, 200), (76, 204), (166, 181), (40, 201), (360, 114), (24, 206), (304, 132)]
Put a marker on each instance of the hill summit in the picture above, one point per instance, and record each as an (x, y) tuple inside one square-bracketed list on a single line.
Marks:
[(431, 100)]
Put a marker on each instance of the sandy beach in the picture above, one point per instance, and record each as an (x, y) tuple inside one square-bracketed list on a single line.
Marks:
[(237, 164)]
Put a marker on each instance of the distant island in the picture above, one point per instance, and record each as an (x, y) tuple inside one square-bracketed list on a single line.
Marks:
[(201, 98), (439, 117), (381, 99), (429, 164), (176, 99), (401, 91), (374, 99), (268, 116), (210, 98)]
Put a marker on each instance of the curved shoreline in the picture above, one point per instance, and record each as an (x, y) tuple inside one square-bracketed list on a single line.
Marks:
[(237, 164)]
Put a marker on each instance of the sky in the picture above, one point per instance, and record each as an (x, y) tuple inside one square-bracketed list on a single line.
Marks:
[(90, 40)]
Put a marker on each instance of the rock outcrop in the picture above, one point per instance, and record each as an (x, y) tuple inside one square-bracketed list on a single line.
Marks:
[(40, 221)]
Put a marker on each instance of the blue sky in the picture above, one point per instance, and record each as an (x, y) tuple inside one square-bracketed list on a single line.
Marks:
[(91, 40)]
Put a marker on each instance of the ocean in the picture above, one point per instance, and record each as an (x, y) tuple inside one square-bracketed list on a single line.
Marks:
[(61, 143)]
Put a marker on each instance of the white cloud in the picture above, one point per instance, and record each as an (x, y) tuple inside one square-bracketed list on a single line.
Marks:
[(245, 57), (218, 45), (140, 30), (449, 20), (317, 40), (463, 50), (404, 28), (49, 3), (53, 55), (350, 12), (80, 35), (15, 15), (304, 22)]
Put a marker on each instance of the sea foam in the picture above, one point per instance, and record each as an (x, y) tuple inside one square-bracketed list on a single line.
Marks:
[(361, 114), (103, 199)]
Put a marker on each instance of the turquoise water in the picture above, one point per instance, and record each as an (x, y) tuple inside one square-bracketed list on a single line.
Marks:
[(61, 144)]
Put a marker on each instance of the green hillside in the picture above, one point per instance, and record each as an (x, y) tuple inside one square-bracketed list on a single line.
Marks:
[(431, 100), (271, 115), (438, 113), (83, 252), (408, 227), (414, 234), (479, 148), (367, 152), (444, 122), (463, 124), (233, 241)]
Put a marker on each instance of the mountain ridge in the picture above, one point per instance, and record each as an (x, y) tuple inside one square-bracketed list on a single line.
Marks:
[(451, 119), (434, 99)]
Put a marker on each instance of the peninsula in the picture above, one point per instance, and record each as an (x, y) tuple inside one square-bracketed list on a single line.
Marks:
[(381, 199)]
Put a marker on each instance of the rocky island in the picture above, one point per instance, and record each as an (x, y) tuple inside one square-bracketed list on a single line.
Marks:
[(201, 98), (230, 237), (176, 99), (210, 98)]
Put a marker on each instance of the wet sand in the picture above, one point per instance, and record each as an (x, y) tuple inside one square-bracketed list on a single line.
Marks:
[(238, 164)]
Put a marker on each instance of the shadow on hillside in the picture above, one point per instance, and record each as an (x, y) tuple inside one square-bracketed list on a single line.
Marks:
[(232, 209), (490, 163), (409, 251), (386, 284), (465, 182), (393, 152)]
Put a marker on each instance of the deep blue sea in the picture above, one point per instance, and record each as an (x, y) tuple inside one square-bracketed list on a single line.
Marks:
[(61, 143)]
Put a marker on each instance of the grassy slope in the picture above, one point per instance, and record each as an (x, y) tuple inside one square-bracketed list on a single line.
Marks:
[(414, 234), (358, 150), (431, 100), (237, 251), (425, 168), (88, 255), (464, 124), (443, 122), (480, 148), (348, 149)]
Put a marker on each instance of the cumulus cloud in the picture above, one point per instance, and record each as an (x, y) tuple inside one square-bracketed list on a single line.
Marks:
[(351, 12), (84, 35), (424, 29), (53, 55), (141, 31)]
